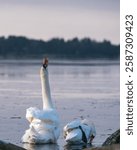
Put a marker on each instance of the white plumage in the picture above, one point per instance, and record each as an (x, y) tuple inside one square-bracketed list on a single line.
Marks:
[(44, 124), (78, 131)]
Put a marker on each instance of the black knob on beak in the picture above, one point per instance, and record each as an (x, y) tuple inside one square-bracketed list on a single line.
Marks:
[(45, 62)]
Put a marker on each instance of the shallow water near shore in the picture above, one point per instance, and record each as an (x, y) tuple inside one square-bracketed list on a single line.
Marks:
[(88, 91)]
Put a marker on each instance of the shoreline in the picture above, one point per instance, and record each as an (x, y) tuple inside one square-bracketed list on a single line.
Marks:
[(77, 62)]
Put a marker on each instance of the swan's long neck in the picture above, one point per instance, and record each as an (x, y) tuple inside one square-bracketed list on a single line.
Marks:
[(46, 96)]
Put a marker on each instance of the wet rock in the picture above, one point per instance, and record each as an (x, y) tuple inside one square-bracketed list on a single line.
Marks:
[(110, 147), (111, 143), (9, 146), (113, 139)]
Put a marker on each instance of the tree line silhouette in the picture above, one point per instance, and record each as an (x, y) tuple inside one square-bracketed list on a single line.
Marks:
[(22, 47)]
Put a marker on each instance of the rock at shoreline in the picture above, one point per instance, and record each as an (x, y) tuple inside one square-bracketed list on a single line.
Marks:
[(110, 147), (9, 146), (111, 143), (113, 139)]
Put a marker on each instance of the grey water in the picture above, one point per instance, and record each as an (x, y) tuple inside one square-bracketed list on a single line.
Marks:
[(79, 90)]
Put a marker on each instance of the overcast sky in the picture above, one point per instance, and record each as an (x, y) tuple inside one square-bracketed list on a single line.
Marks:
[(45, 19)]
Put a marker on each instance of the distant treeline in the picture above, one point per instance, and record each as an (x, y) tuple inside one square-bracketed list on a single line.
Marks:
[(22, 47)]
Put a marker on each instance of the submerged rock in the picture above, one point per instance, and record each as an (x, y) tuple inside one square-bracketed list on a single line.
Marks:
[(113, 139), (9, 146)]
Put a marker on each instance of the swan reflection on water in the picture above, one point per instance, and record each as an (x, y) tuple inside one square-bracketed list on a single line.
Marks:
[(41, 146), (55, 146), (77, 146)]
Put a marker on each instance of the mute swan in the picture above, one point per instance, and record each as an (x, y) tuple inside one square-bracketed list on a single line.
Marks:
[(78, 131), (44, 124)]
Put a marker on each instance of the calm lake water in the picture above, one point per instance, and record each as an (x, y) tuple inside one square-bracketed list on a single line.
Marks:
[(79, 90)]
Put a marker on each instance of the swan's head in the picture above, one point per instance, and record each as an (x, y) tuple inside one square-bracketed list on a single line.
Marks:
[(45, 62), (73, 135), (43, 70), (72, 132)]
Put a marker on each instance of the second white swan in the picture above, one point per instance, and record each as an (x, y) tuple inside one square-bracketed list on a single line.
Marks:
[(78, 131)]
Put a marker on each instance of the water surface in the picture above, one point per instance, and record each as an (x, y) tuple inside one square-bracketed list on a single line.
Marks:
[(79, 90)]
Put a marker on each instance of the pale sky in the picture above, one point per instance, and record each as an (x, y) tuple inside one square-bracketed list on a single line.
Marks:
[(46, 19)]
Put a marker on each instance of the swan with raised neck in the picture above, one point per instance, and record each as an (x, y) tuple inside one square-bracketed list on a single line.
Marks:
[(44, 124), (46, 96)]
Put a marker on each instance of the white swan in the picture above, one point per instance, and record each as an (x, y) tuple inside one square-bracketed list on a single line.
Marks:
[(78, 131), (44, 124)]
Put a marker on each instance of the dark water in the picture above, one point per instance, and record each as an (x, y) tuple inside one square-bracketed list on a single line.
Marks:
[(89, 90)]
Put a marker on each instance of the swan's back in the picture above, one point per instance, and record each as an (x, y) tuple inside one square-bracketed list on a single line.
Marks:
[(44, 126), (48, 116)]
